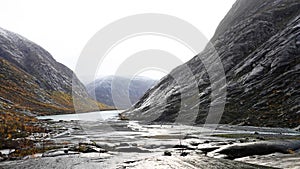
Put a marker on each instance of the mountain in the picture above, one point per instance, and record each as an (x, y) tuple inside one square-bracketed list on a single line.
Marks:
[(33, 83), (258, 43), (101, 89)]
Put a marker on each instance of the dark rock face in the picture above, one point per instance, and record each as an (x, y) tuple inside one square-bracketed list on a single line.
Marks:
[(101, 89), (258, 44), (32, 82)]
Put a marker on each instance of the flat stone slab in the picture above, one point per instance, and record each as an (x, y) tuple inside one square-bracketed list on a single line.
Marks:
[(188, 162)]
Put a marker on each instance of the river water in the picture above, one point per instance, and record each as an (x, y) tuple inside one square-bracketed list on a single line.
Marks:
[(92, 116), (131, 144)]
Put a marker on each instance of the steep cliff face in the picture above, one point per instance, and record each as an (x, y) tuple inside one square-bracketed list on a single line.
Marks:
[(34, 60), (32, 82), (101, 90), (258, 43)]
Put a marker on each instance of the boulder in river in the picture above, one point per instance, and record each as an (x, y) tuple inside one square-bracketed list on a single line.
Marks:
[(257, 148), (88, 148)]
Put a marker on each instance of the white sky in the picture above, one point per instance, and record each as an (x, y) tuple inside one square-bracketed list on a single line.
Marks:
[(63, 27)]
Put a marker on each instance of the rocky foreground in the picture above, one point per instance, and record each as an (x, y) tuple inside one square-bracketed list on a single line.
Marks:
[(128, 144)]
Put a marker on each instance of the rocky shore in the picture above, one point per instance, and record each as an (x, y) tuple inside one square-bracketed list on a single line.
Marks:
[(128, 144)]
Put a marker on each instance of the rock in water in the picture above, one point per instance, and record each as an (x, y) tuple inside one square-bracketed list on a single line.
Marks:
[(258, 44), (167, 153), (260, 148)]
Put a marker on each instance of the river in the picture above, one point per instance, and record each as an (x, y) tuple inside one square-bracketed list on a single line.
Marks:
[(91, 116), (130, 144)]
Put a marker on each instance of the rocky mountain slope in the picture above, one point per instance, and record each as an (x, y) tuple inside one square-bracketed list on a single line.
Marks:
[(101, 90), (33, 83), (258, 43)]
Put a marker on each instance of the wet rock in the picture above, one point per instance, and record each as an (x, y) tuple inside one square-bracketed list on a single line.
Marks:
[(59, 152), (258, 148), (184, 147), (220, 144), (260, 138), (88, 148), (190, 137), (245, 140), (194, 143), (123, 117), (183, 154), (131, 161), (132, 149), (206, 150), (167, 153), (123, 144), (297, 128), (193, 161), (298, 41)]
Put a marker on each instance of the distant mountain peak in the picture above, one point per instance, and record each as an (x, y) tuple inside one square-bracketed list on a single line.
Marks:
[(101, 89)]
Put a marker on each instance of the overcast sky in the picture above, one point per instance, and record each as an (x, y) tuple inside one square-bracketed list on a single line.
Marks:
[(63, 27)]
